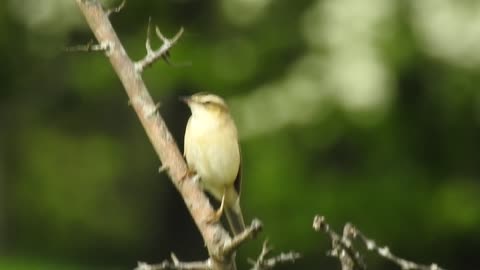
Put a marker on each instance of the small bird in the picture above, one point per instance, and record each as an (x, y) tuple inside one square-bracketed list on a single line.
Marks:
[(212, 151)]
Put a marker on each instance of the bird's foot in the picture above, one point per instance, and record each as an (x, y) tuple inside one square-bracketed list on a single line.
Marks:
[(190, 174), (196, 178), (215, 217)]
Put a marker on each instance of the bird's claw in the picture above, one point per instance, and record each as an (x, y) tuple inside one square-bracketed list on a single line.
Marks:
[(215, 217), (196, 178), (190, 174)]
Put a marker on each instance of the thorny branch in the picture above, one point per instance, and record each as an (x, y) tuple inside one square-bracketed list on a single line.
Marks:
[(213, 234), (163, 52), (263, 264), (342, 246), (90, 47), (176, 264), (241, 238), (226, 251), (343, 249), (217, 240)]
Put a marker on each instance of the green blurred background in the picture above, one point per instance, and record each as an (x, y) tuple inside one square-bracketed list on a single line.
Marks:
[(365, 111)]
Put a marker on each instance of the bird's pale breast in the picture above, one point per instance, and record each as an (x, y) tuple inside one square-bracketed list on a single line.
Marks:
[(211, 149)]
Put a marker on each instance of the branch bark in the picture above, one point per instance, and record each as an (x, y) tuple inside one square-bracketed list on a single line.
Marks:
[(349, 256), (214, 235), (263, 263)]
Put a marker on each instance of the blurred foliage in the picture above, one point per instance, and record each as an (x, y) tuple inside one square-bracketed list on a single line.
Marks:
[(365, 111)]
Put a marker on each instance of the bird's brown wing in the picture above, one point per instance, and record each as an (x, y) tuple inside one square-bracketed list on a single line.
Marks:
[(238, 180), (234, 212)]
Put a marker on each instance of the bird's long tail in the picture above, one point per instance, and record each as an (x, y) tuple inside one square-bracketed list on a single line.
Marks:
[(235, 217)]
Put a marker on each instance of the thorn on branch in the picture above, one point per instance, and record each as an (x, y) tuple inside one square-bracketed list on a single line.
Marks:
[(154, 110), (262, 264), (147, 42), (343, 249), (91, 47), (117, 9), (163, 168), (162, 52)]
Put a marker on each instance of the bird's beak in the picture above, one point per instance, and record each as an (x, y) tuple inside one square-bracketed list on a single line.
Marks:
[(187, 99)]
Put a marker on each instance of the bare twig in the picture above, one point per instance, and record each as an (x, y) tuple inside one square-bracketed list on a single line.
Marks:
[(175, 264), (262, 264), (162, 52), (239, 239), (385, 251), (343, 249), (90, 47), (116, 9)]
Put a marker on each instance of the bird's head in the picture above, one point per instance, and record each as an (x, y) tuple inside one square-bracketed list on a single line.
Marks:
[(205, 104)]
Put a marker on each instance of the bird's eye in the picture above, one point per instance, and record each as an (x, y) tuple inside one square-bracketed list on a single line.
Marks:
[(208, 103)]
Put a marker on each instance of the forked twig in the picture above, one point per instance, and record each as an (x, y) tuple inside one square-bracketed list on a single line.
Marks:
[(350, 259)]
